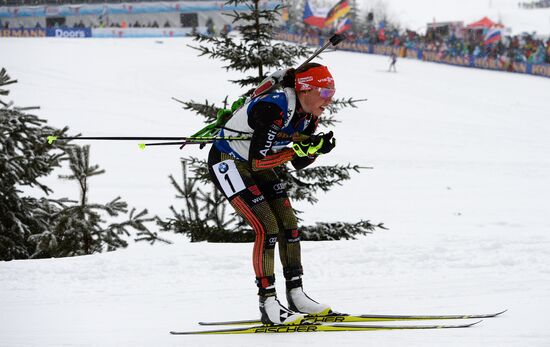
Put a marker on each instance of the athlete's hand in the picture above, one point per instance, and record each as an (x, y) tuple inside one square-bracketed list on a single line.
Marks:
[(317, 144), (328, 142), (305, 149)]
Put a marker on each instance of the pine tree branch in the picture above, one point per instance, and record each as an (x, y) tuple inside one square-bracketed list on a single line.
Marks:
[(4, 81), (338, 230), (206, 110), (340, 104)]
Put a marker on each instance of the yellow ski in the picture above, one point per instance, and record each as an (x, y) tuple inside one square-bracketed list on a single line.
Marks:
[(349, 318), (316, 327)]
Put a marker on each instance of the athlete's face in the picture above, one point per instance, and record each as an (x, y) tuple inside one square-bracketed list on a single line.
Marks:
[(316, 100)]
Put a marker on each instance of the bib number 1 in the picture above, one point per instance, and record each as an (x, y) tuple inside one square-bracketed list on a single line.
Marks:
[(229, 178)]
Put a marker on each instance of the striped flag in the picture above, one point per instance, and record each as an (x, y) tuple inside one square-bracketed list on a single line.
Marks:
[(493, 35), (337, 11), (312, 18), (344, 25)]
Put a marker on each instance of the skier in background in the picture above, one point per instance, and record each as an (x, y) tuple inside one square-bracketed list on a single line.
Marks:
[(244, 172), (393, 59)]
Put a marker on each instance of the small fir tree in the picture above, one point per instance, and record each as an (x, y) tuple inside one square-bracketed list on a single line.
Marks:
[(44, 227), (25, 158), (253, 51), (78, 227)]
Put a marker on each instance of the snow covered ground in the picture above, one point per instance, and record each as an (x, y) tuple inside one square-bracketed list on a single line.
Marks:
[(461, 177)]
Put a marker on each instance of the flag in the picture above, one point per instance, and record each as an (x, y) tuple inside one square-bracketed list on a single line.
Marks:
[(311, 18), (337, 11), (344, 25), (493, 35)]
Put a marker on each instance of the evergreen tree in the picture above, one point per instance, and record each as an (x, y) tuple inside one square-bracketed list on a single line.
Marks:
[(355, 17), (205, 216), (254, 51), (43, 227), (77, 227), (25, 158), (295, 12)]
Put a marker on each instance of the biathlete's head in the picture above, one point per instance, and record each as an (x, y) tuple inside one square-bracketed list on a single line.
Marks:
[(314, 87)]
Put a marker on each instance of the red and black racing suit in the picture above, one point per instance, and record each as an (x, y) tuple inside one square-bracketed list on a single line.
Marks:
[(264, 204)]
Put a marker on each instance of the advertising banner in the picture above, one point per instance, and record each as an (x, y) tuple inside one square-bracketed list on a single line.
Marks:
[(69, 32), (143, 32), (540, 70), (125, 8), (23, 32)]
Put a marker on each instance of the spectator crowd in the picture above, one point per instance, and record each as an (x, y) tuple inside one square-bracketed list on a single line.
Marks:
[(100, 24), (524, 48)]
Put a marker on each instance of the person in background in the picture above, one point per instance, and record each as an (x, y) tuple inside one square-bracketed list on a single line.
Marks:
[(393, 60)]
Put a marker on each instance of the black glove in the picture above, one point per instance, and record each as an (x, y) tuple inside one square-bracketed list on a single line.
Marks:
[(316, 144), (328, 142)]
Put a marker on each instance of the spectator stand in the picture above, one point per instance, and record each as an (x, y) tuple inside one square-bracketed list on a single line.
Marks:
[(192, 16), (481, 44)]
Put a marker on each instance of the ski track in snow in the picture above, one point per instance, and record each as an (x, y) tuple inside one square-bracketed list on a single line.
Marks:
[(461, 178)]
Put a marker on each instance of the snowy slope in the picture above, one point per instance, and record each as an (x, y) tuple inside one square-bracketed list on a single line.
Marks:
[(415, 14), (461, 178)]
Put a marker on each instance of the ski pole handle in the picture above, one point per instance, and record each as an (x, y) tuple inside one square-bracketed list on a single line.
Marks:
[(333, 40), (271, 81)]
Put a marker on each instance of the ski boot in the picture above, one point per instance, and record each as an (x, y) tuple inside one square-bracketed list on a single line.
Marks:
[(298, 301), (275, 313)]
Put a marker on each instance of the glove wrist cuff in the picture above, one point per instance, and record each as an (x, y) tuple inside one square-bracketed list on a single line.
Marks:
[(299, 150)]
